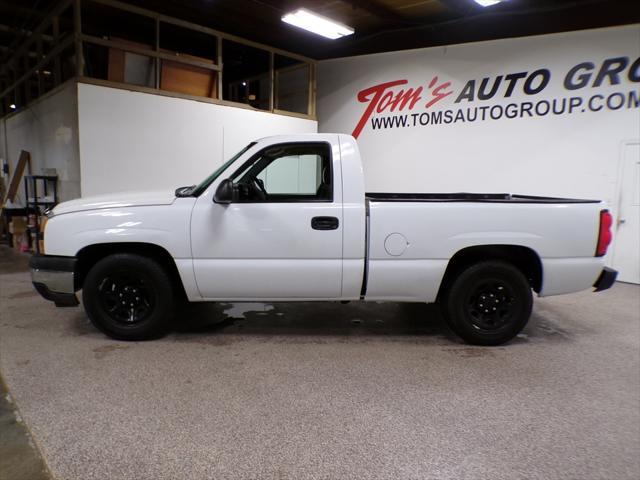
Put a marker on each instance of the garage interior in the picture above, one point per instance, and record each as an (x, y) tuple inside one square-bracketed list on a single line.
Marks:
[(105, 96)]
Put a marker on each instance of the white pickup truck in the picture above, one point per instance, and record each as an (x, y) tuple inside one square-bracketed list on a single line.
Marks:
[(288, 219)]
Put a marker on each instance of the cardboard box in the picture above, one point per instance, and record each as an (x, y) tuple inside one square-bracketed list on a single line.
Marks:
[(16, 241), (17, 225)]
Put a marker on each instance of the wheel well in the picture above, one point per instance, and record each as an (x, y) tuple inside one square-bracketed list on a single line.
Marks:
[(90, 255), (523, 258)]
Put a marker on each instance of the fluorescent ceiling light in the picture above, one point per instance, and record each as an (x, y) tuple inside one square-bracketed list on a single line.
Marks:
[(303, 18), (488, 3)]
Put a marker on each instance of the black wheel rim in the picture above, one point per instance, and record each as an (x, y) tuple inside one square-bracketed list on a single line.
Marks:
[(491, 305), (125, 297)]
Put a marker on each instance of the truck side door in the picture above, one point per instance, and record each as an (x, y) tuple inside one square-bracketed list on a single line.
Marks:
[(281, 237)]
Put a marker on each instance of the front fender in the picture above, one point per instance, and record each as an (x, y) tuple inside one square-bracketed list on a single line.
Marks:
[(165, 225)]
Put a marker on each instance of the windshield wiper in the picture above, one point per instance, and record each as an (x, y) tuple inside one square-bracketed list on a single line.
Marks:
[(184, 191)]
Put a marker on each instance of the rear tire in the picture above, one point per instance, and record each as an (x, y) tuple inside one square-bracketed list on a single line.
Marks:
[(128, 297), (489, 303)]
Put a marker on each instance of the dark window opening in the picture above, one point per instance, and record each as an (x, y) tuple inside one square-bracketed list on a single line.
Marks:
[(246, 75), (110, 23)]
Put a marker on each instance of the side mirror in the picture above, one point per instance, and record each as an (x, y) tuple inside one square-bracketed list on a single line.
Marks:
[(226, 192)]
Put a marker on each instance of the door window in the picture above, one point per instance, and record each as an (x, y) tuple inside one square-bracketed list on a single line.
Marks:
[(299, 172)]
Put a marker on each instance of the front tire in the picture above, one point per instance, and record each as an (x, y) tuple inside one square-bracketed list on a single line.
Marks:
[(128, 297), (489, 303)]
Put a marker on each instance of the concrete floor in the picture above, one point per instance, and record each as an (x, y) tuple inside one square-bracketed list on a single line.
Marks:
[(19, 457), (302, 391)]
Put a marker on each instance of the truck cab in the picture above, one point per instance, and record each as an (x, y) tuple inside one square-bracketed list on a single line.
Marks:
[(291, 226)]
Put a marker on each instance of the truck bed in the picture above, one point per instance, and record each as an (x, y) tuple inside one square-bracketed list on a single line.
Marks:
[(469, 197)]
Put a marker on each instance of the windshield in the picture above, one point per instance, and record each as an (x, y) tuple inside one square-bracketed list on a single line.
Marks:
[(211, 178)]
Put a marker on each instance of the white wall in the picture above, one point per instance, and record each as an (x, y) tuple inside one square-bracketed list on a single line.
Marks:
[(132, 140), (569, 155), (48, 129)]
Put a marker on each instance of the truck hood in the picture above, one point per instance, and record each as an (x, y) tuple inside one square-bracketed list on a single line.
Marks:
[(116, 200)]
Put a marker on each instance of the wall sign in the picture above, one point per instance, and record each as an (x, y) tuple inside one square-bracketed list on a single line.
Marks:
[(399, 104)]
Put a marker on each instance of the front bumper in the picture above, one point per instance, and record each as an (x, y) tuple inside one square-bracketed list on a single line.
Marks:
[(606, 279), (54, 278)]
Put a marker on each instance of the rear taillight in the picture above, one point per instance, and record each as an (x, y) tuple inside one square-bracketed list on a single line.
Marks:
[(604, 235)]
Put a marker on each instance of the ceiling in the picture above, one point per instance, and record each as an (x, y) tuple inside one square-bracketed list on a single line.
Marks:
[(380, 25)]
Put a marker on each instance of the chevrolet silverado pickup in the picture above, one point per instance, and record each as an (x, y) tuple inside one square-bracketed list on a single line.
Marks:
[(287, 219)]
